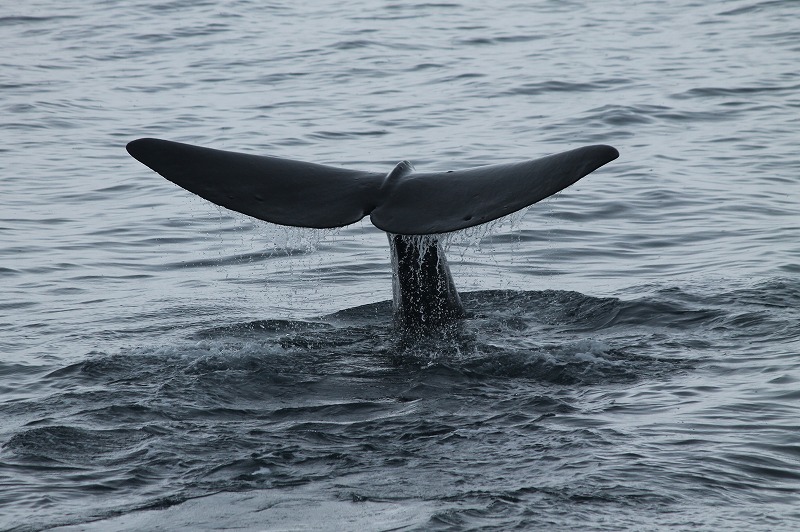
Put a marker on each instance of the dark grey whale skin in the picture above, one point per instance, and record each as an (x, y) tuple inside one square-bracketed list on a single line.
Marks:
[(425, 295), (404, 203)]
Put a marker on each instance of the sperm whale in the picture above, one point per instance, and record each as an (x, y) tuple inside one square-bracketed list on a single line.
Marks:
[(402, 202)]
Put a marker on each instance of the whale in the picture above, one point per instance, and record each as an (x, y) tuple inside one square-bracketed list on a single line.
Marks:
[(413, 208)]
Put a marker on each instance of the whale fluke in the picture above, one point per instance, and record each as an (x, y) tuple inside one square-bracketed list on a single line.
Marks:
[(403, 202), (406, 204), (275, 190), (440, 202)]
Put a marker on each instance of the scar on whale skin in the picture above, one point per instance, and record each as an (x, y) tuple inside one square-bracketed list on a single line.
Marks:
[(411, 207)]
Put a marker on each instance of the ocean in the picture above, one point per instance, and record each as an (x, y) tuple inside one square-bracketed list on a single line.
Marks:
[(631, 357)]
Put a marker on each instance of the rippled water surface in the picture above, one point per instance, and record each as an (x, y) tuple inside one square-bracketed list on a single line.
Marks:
[(630, 359)]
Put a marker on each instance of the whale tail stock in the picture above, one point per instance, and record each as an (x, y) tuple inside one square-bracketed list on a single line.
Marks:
[(402, 202)]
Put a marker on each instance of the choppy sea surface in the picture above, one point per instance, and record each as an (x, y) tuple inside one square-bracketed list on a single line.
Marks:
[(632, 355)]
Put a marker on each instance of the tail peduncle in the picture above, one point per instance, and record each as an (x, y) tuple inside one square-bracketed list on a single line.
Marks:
[(425, 295)]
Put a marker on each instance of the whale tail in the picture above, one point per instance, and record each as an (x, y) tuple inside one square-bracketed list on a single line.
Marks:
[(403, 202)]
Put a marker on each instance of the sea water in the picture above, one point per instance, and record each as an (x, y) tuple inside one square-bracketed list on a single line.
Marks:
[(631, 355)]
